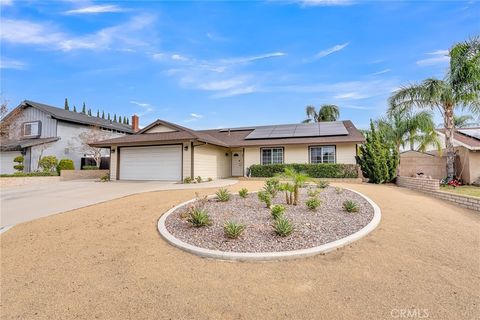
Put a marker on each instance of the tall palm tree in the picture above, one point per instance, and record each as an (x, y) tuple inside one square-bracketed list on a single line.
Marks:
[(327, 112), (404, 127), (458, 90)]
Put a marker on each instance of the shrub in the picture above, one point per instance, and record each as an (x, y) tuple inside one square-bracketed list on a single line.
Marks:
[(30, 174), (272, 186), (243, 193), (48, 163), (289, 189), (313, 203), (298, 180), (19, 159), (223, 195), (19, 167), (188, 180), (210, 179), (313, 170), (265, 197), (105, 178), (65, 164), (350, 206), (277, 211), (338, 190), (283, 227), (233, 230), (199, 218), (199, 179), (89, 167), (323, 184), (313, 192)]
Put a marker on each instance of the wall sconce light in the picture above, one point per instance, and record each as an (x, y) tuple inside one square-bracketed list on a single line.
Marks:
[(226, 154), (185, 148), (113, 150)]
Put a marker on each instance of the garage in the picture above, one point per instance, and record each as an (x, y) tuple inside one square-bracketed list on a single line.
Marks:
[(6, 161), (151, 163)]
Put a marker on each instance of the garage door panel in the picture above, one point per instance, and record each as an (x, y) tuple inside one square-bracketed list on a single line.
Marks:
[(151, 163)]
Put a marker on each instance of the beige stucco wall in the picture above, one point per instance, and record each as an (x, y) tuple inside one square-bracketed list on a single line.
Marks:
[(471, 171), (159, 128), (211, 162), (299, 154), (113, 163)]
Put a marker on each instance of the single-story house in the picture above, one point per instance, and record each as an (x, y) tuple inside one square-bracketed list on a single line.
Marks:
[(167, 151)]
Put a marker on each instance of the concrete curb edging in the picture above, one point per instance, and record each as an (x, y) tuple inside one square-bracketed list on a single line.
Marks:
[(268, 256)]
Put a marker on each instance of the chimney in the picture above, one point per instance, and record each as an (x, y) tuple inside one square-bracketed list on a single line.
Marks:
[(135, 127)]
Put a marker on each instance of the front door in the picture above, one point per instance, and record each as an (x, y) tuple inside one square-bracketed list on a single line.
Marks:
[(237, 163)]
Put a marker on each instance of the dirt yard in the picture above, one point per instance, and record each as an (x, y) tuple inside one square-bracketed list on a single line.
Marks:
[(108, 261)]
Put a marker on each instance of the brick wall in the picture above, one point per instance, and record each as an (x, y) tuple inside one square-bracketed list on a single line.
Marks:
[(432, 187), (82, 174)]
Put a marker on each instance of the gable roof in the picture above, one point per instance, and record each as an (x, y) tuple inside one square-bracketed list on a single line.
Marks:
[(75, 117), (233, 137), (462, 139)]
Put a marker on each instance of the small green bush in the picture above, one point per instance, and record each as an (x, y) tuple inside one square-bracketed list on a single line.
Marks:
[(210, 179), (19, 159), (188, 180), (277, 211), (265, 197), (350, 206), (233, 230), (313, 170), (199, 179), (48, 163), (19, 167), (199, 218), (19, 163), (272, 186), (313, 203), (283, 227), (65, 164), (338, 190), (313, 192), (105, 178), (90, 168), (223, 195), (29, 174), (323, 184), (243, 193)]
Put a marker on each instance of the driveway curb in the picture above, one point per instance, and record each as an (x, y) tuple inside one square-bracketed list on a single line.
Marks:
[(268, 256)]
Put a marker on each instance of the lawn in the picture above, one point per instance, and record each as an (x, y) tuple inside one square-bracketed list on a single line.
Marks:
[(463, 190)]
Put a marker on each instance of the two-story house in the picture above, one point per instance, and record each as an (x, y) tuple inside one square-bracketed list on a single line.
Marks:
[(37, 130)]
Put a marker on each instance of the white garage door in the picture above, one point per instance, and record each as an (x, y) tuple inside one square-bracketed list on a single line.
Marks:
[(6, 163), (151, 163)]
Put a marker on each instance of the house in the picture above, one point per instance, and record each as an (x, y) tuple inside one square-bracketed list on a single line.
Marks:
[(36, 130), (167, 151), (466, 142)]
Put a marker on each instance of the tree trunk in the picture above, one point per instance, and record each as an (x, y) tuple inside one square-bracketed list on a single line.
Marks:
[(449, 129)]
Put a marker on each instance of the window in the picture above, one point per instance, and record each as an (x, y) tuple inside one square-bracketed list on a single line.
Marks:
[(323, 154), (31, 129), (272, 155)]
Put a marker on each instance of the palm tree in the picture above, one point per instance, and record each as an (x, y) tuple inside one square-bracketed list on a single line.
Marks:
[(327, 112), (404, 127), (458, 90), (462, 121)]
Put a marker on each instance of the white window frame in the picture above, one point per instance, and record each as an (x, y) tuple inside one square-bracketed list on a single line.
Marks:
[(30, 123), (322, 154), (271, 160)]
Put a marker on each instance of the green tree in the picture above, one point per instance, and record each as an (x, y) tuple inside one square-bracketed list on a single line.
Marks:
[(66, 107), (90, 112), (460, 89), (103, 114), (297, 179), (378, 157), (128, 121), (119, 119), (84, 108), (462, 121), (114, 117), (98, 113), (74, 109), (327, 112), (108, 118)]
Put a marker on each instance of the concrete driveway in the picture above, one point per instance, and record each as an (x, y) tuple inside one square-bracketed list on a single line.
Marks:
[(24, 203)]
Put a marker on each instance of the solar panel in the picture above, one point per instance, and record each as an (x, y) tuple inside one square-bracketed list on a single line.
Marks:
[(474, 133), (334, 128)]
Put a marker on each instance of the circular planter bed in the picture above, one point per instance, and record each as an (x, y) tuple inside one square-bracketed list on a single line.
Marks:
[(315, 231)]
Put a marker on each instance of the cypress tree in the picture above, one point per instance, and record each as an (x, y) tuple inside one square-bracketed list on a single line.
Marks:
[(66, 104), (90, 112), (84, 108), (103, 114), (378, 157), (108, 116), (98, 113), (74, 109), (114, 117), (119, 119), (128, 121)]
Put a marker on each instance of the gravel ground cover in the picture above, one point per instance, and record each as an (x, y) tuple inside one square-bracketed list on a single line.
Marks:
[(328, 223)]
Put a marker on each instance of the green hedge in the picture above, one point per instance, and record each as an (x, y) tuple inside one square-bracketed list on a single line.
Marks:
[(65, 164), (30, 174), (89, 168), (318, 170)]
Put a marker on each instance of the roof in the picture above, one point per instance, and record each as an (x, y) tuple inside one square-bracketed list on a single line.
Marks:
[(76, 117), (17, 145), (467, 141), (233, 137)]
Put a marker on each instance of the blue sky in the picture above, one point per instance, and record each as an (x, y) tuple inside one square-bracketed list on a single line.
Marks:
[(226, 64)]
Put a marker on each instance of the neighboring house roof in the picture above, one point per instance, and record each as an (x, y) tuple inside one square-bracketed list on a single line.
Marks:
[(233, 137), (463, 137), (15, 145), (76, 117)]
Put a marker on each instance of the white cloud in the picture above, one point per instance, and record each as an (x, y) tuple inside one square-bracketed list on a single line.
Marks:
[(351, 95), (179, 57), (381, 72), (95, 9), (6, 2), (328, 51), (120, 37), (310, 3), (438, 57), (6, 63), (146, 107), (196, 115)]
